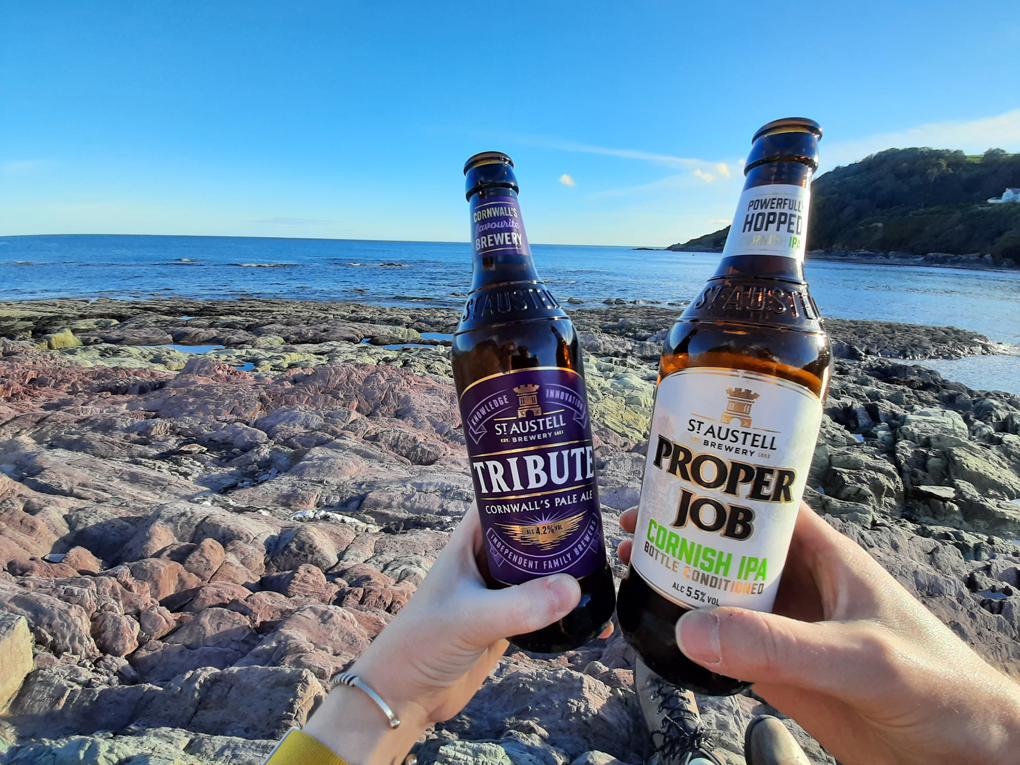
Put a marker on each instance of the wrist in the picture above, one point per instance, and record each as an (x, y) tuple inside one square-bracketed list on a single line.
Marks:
[(354, 727), (1003, 739)]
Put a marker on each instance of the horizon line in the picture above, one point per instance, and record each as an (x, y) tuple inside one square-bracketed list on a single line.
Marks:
[(326, 239)]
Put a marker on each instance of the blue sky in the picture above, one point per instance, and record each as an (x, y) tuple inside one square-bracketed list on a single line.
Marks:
[(353, 120)]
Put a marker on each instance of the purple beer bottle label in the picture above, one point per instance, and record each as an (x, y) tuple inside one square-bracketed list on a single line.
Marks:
[(529, 442), (497, 227)]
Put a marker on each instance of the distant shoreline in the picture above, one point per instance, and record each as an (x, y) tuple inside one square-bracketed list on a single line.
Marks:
[(931, 260)]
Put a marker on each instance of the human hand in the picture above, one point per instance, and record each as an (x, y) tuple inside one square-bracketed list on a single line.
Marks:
[(436, 653), (857, 661)]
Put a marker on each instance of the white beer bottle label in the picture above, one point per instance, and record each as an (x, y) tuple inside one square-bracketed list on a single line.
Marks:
[(770, 220), (728, 459)]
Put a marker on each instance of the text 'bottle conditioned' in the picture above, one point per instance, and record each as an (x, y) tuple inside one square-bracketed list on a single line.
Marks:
[(737, 409)]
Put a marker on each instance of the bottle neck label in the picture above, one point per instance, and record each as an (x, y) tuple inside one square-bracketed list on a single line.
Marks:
[(770, 220), (497, 227), (529, 441)]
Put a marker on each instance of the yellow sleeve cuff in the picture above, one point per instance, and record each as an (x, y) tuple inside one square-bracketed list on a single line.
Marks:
[(299, 748)]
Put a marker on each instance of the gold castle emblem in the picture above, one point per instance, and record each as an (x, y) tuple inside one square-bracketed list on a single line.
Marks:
[(544, 536), (738, 407), (528, 400)]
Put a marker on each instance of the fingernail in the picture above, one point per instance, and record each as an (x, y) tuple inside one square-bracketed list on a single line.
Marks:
[(697, 634), (565, 591)]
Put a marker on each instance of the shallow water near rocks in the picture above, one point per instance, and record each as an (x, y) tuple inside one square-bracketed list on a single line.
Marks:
[(979, 372)]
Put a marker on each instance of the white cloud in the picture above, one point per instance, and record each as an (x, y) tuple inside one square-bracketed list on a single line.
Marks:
[(723, 169), (566, 180), (706, 177), (973, 137)]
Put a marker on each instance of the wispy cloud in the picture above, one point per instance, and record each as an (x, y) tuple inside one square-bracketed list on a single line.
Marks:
[(973, 136), (566, 180), (666, 160), (282, 221), (669, 182), (706, 177), (723, 169)]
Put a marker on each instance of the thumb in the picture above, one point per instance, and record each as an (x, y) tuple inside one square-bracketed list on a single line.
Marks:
[(522, 608), (761, 647)]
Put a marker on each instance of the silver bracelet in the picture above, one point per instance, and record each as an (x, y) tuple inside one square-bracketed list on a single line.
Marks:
[(348, 678)]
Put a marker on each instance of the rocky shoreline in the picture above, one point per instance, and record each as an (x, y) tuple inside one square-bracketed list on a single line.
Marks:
[(183, 532), (972, 262)]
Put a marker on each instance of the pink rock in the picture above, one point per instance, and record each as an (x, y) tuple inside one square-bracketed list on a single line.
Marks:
[(77, 590), (73, 474), (227, 527), (26, 531), (164, 577), (371, 620), (58, 626), (115, 634), (152, 540), (250, 556), (340, 534), (216, 595), (156, 622), (120, 588), (41, 568), (305, 581), (361, 575), (246, 702), (214, 626), (322, 639), (266, 608), (215, 638), (82, 561), (11, 550), (308, 546), (232, 572), (205, 559)]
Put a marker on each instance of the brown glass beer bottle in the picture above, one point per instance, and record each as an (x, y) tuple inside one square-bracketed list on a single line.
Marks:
[(742, 379), (520, 381)]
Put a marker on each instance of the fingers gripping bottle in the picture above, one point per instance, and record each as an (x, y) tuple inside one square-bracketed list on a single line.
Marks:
[(520, 381), (739, 401)]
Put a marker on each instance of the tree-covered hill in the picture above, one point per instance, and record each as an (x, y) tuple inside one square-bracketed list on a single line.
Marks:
[(915, 201)]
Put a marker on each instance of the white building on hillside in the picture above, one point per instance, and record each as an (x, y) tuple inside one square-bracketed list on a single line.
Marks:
[(1009, 195)]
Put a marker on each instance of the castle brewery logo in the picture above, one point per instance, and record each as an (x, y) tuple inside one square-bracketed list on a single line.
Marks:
[(738, 406), (528, 400)]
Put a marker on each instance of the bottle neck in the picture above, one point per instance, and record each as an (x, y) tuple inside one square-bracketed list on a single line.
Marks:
[(769, 231), (500, 252)]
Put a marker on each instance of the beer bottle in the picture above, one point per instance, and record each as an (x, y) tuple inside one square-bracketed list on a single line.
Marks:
[(520, 381), (738, 405)]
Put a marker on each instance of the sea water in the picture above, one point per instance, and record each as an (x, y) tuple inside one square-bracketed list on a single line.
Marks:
[(438, 274)]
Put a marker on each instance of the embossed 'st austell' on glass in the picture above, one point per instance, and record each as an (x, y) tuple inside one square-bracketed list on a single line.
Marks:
[(527, 425), (739, 401)]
